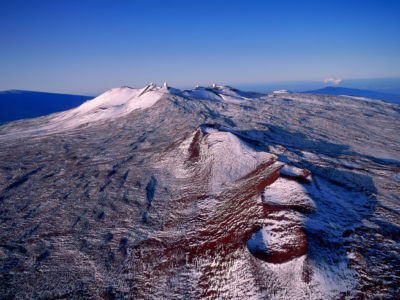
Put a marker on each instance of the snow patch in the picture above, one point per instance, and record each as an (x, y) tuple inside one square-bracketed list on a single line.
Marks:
[(230, 158), (292, 171), (280, 92), (284, 192)]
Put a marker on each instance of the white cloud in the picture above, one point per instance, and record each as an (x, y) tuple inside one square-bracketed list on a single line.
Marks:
[(333, 80)]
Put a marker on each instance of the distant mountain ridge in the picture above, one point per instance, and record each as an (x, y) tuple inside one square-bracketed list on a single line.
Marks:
[(333, 90), (21, 104)]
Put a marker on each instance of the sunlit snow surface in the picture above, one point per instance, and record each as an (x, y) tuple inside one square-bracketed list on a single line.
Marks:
[(209, 193)]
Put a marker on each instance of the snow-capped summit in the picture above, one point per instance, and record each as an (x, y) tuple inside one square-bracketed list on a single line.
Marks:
[(112, 104)]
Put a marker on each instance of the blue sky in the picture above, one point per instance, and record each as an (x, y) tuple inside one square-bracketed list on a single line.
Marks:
[(90, 46)]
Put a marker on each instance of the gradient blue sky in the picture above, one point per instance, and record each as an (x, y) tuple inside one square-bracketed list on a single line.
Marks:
[(89, 46)]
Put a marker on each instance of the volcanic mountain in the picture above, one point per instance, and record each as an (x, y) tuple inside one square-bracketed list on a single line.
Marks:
[(209, 193)]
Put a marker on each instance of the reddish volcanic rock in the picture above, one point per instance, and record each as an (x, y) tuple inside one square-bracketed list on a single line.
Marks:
[(282, 237), (206, 231)]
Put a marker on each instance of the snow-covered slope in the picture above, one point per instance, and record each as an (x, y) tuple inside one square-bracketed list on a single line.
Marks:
[(218, 157), (112, 104), (119, 102), (210, 193)]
